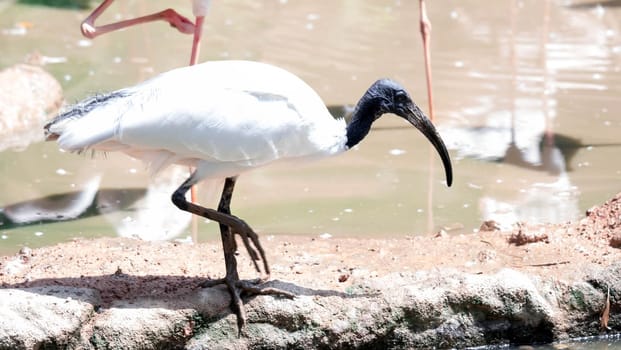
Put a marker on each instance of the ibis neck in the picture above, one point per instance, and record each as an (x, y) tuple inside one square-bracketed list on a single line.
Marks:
[(365, 113)]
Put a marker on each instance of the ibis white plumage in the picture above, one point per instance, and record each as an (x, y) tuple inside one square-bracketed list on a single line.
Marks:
[(224, 118)]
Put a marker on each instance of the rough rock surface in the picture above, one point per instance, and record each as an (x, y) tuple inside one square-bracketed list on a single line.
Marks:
[(439, 291), (44, 316)]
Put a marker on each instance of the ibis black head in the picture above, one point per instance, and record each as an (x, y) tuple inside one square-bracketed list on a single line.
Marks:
[(387, 96)]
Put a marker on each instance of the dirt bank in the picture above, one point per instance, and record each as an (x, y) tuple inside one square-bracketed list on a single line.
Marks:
[(547, 250)]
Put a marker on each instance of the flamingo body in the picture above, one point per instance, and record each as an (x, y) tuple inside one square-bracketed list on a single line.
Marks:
[(200, 7)]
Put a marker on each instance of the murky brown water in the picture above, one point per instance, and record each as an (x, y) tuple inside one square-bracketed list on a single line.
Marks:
[(526, 97)]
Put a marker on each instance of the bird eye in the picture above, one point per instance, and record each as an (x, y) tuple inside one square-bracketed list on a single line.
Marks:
[(401, 97)]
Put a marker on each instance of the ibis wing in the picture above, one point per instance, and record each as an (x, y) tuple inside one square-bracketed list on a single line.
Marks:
[(248, 128), (226, 126)]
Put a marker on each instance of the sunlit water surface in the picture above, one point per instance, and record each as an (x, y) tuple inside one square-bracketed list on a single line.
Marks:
[(526, 98)]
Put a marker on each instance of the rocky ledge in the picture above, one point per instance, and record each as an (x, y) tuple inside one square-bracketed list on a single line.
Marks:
[(535, 284)]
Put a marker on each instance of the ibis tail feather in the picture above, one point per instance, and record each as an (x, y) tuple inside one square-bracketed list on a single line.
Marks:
[(88, 123)]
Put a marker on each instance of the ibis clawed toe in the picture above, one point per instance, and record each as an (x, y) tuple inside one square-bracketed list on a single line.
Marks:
[(224, 118)]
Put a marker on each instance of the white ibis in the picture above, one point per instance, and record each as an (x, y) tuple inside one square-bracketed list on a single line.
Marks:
[(184, 25), (224, 118)]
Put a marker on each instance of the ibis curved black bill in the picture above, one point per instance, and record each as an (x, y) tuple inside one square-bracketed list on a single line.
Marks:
[(420, 121)]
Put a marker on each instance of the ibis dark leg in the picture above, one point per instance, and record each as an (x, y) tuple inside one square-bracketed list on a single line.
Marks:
[(237, 225), (229, 245), (228, 240), (230, 225)]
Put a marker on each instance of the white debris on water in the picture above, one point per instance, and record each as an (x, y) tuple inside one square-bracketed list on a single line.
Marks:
[(396, 152)]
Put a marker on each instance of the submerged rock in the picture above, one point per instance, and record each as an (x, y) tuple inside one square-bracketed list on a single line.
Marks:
[(29, 96)]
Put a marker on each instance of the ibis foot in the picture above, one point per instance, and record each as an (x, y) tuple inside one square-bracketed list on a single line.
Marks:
[(239, 288), (229, 227)]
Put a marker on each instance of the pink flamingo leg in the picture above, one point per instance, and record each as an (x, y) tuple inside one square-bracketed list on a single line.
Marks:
[(198, 30), (199, 7), (425, 31), (90, 30)]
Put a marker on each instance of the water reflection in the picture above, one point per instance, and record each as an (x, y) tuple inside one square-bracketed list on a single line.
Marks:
[(595, 4), (551, 198), (144, 213), (518, 131), (545, 152), (153, 216), (57, 207)]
